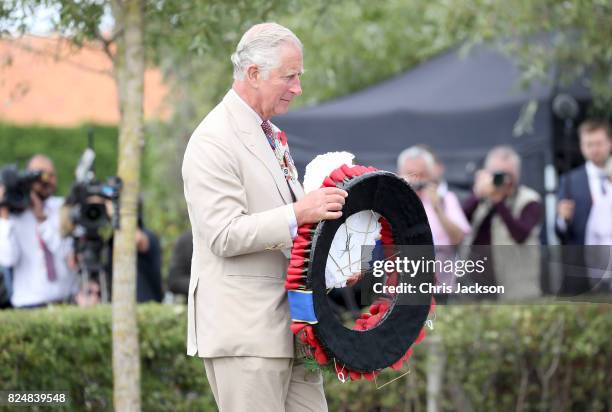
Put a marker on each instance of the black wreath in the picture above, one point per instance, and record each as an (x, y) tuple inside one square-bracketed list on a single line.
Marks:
[(388, 341)]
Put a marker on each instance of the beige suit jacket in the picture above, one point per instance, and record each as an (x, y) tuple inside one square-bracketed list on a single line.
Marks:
[(237, 200)]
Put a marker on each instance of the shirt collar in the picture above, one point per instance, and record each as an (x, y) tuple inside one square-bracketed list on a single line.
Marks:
[(256, 115), (593, 170), (253, 112)]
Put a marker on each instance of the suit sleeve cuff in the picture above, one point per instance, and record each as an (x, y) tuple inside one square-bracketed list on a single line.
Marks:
[(293, 227), (561, 224)]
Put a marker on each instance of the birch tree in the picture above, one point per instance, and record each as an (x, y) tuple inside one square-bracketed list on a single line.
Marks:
[(126, 49)]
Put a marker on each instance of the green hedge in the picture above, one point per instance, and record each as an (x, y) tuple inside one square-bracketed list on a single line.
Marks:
[(165, 211), (63, 145), (553, 357)]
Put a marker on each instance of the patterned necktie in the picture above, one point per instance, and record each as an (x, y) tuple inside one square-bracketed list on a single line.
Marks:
[(49, 264), (267, 129), (280, 148)]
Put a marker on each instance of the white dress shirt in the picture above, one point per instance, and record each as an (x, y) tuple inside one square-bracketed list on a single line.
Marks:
[(596, 177), (20, 249), (597, 180), (599, 225), (598, 238), (290, 213)]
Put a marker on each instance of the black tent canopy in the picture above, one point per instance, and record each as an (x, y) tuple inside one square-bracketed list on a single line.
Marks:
[(460, 105)]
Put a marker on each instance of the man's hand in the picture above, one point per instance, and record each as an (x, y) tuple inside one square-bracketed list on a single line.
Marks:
[(565, 209), (321, 204), (89, 295), (142, 241), (499, 194), (431, 192), (485, 189), (4, 212), (483, 184), (354, 279)]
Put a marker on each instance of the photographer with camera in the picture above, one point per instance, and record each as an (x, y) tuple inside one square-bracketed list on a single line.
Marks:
[(30, 239), (448, 224), (418, 166), (504, 212)]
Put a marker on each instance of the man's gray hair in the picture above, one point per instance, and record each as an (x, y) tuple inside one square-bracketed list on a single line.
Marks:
[(504, 152), (261, 45), (415, 152)]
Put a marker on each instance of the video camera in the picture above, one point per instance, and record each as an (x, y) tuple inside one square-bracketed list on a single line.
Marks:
[(89, 210), (91, 221), (17, 186)]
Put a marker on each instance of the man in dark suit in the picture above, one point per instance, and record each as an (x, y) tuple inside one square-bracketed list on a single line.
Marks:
[(579, 189)]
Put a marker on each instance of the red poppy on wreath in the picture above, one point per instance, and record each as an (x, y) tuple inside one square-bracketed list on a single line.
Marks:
[(282, 137)]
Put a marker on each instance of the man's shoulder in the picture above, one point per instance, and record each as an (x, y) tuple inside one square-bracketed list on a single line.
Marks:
[(54, 202), (529, 194), (575, 173), (214, 139), (215, 122), (215, 128)]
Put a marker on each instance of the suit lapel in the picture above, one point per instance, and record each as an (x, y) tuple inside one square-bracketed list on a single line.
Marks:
[(585, 189), (252, 136), (297, 188)]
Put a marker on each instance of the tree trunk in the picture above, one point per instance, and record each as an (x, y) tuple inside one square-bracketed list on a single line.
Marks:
[(129, 74)]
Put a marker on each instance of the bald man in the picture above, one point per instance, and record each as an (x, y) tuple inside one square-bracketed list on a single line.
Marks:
[(30, 243)]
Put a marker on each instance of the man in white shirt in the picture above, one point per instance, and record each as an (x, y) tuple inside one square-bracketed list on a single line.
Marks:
[(31, 243)]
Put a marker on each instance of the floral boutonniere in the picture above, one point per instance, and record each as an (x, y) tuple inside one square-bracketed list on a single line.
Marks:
[(282, 137)]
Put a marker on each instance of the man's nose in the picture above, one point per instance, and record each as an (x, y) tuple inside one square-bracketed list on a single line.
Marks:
[(296, 87)]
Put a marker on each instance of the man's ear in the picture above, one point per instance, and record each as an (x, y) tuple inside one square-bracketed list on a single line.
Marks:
[(252, 76)]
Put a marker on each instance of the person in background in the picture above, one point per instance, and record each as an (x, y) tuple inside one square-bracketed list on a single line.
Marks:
[(148, 262), (579, 190), (32, 245), (598, 238), (448, 224), (6, 287), (438, 171), (446, 219), (180, 264), (505, 213), (148, 265)]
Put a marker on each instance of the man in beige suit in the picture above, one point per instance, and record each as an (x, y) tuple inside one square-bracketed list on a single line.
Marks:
[(245, 205)]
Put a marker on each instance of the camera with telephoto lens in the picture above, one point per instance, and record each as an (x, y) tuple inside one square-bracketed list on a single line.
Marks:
[(91, 223), (17, 187), (88, 200), (92, 228), (500, 178)]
